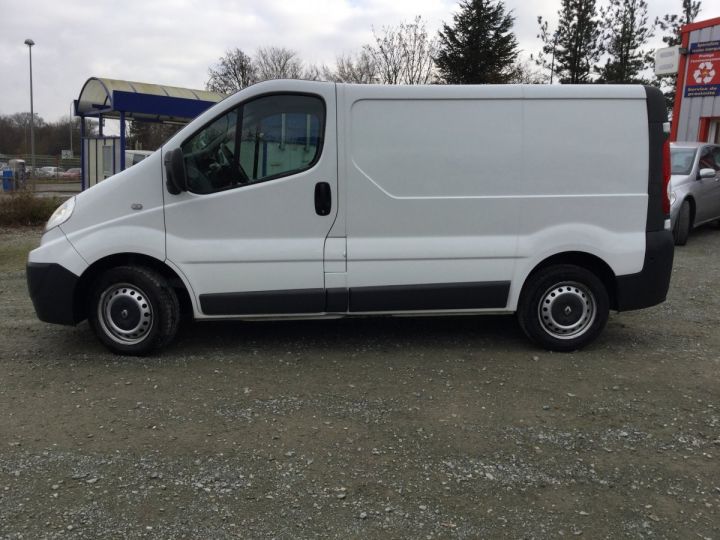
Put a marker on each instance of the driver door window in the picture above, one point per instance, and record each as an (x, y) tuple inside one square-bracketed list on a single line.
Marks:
[(266, 138)]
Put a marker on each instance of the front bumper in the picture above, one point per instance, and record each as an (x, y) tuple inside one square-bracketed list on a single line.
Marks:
[(52, 290), (648, 287)]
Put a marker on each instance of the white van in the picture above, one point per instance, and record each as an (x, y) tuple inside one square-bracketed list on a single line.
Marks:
[(312, 199)]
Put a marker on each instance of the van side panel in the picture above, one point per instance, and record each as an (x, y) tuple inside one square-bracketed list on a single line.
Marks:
[(432, 186), (474, 188), (584, 183)]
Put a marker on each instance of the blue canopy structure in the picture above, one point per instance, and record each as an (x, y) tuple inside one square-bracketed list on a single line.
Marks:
[(112, 98)]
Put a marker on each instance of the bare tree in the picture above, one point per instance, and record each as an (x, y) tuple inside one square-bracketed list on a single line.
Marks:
[(525, 72), (420, 52), (403, 54), (278, 63), (387, 52), (360, 69), (233, 72), (316, 73)]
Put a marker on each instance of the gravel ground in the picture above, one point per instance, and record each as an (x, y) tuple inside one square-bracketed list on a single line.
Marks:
[(368, 428)]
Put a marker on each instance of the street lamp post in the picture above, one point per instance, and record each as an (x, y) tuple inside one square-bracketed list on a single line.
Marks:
[(29, 42), (552, 63), (71, 126)]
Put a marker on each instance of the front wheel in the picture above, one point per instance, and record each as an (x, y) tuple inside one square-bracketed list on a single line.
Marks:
[(133, 310), (681, 231), (563, 307)]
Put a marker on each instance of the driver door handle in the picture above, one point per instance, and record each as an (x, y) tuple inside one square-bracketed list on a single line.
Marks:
[(323, 199)]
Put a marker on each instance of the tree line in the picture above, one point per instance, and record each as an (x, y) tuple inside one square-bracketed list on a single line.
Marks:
[(50, 137), (590, 43)]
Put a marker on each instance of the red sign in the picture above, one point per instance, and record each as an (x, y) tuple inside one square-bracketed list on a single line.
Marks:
[(703, 74)]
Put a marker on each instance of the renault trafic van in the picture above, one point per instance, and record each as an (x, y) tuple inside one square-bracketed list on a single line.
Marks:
[(314, 199)]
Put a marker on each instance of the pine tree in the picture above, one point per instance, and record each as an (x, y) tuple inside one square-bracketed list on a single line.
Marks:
[(671, 24), (575, 46), (627, 31), (480, 46)]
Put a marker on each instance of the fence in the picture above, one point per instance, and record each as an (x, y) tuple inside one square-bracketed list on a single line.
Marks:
[(43, 161)]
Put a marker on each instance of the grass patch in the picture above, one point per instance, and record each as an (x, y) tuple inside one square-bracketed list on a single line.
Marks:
[(22, 208), (14, 256)]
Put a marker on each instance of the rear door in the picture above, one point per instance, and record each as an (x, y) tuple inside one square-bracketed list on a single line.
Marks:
[(249, 234)]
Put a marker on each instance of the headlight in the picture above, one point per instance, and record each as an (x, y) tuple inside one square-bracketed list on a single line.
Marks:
[(672, 197), (62, 214)]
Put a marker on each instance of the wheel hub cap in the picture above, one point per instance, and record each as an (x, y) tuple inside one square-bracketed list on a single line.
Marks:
[(125, 313), (567, 310)]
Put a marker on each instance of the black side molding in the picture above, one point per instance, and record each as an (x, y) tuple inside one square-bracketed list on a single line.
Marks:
[(481, 295), (337, 301), (264, 302), (648, 287), (432, 296), (52, 291)]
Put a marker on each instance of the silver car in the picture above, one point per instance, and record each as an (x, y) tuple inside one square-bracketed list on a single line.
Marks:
[(694, 186)]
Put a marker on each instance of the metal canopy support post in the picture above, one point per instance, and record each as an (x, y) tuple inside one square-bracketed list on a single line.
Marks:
[(83, 183), (122, 140)]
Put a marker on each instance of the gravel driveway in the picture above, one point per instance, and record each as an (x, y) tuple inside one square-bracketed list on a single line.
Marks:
[(369, 428)]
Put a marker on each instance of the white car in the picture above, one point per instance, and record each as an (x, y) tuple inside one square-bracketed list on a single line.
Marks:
[(49, 172), (312, 199)]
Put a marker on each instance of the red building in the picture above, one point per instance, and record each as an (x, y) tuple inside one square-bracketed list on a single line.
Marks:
[(696, 115)]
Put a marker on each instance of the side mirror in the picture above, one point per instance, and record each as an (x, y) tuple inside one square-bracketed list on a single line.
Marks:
[(175, 171), (706, 173)]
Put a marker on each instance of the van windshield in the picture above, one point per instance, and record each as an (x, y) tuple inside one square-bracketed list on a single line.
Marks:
[(682, 160)]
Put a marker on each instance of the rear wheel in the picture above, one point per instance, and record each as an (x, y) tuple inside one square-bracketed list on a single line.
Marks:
[(681, 230), (563, 307), (133, 310)]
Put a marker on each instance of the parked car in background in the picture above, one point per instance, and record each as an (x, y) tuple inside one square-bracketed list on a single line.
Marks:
[(71, 174), (49, 172), (694, 187)]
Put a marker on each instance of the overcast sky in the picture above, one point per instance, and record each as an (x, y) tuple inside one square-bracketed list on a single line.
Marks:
[(174, 41)]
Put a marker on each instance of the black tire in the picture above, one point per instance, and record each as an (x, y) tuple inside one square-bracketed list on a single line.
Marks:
[(563, 308), (133, 310), (681, 230)]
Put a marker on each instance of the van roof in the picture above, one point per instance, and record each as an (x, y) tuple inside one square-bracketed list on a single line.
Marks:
[(470, 91)]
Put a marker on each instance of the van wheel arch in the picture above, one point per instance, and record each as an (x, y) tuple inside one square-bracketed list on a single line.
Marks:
[(589, 262), (96, 269)]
